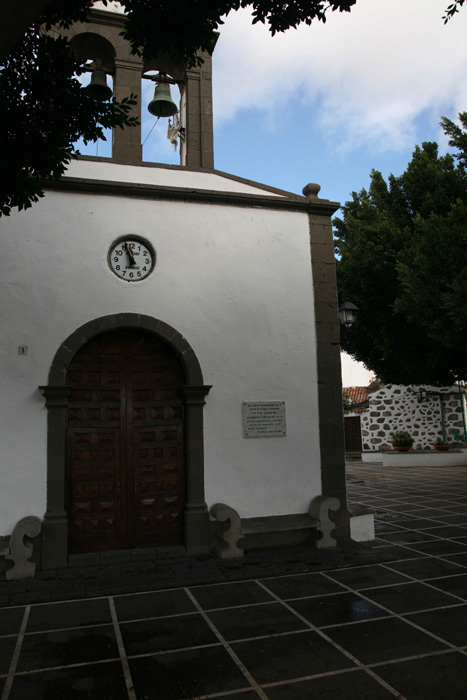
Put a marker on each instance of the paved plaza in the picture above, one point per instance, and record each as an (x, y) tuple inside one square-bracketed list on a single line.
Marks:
[(366, 622)]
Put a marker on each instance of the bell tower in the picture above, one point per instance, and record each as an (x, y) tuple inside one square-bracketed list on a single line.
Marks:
[(99, 39)]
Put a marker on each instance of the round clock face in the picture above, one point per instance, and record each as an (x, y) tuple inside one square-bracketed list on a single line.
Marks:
[(132, 259)]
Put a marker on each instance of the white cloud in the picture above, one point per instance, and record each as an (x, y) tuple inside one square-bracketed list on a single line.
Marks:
[(366, 75)]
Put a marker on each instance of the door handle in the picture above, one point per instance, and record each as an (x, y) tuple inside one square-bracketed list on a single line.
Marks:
[(136, 488)]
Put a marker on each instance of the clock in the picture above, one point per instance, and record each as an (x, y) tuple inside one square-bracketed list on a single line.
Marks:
[(131, 258)]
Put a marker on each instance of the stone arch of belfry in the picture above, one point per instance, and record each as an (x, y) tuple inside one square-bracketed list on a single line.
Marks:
[(99, 39)]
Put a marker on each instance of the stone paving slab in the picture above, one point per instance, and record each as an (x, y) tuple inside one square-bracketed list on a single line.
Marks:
[(66, 584), (373, 622)]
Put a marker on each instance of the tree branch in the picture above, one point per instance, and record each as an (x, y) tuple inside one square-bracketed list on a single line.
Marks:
[(17, 17)]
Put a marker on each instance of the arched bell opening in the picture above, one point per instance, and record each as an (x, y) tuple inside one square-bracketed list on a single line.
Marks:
[(95, 81), (162, 130), (98, 54)]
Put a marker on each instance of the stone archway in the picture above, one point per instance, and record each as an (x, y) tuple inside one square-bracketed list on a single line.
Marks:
[(57, 392)]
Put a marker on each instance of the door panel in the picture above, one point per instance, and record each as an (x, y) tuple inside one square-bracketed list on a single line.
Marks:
[(95, 508), (159, 500), (353, 434), (125, 444)]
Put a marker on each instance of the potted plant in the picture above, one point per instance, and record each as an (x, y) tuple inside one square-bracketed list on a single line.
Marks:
[(402, 441), (441, 445)]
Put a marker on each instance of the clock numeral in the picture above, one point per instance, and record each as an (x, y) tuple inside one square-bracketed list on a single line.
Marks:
[(131, 259)]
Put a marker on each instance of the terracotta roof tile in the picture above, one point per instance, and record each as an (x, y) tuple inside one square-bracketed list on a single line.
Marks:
[(357, 396)]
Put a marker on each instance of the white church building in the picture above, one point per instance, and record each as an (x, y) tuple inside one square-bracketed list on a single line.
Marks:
[(170, 352)]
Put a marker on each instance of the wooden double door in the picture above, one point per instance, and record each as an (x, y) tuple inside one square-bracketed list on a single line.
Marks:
[(125, 465)]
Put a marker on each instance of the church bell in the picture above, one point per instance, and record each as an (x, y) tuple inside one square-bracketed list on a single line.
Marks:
[(162, 104), (98, 88)]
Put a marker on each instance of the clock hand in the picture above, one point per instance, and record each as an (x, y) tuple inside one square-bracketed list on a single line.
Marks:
[(130, 255)]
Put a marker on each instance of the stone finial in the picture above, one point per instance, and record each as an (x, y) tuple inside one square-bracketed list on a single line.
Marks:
[(319, 509), (230, 533), (311, 190), (20, 551)]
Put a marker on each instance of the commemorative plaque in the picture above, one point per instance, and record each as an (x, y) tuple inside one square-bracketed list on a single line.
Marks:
[(264, 419)]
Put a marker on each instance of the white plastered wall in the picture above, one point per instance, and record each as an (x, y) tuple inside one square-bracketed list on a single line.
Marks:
[(235, 282), (166, 177)]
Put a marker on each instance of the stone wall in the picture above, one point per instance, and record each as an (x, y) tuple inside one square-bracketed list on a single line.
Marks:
[(396, 407)]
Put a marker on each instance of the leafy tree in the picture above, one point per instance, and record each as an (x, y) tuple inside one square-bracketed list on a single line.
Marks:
[(180, 27), (452, 9), (457, 137), (402, 259), (433, 277), (44, 110)]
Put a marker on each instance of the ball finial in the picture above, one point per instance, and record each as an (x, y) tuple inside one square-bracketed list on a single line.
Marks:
[(311, 190)]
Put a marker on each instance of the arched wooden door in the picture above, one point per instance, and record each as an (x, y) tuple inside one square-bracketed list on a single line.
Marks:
[(125, 471)]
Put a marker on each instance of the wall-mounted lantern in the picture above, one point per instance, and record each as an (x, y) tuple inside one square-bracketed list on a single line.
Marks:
[(348, 313)]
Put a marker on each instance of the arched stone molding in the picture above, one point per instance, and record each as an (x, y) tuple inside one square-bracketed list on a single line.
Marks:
[(100, 36), (92, 46), (56, 393)]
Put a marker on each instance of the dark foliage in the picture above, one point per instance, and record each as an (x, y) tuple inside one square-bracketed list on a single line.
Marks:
[(43, 111), (452, 9), (402, 259)]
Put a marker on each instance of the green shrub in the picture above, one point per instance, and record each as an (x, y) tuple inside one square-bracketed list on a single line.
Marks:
[(402, 439)]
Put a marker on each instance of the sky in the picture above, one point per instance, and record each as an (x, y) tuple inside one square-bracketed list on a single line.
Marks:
[(330, 102)]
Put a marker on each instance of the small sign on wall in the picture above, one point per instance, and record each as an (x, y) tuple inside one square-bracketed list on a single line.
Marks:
[(264, 419)]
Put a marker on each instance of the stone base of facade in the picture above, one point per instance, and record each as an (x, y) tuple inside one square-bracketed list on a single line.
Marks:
[(372, 457), (39, 544), (425, 458), (362, 524), (417, 458), (234, 535)]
